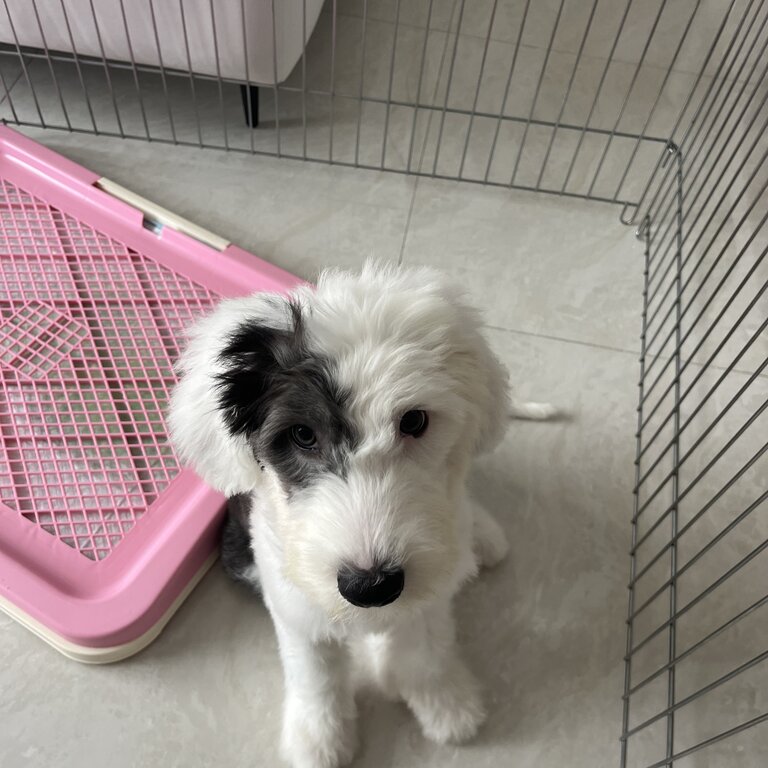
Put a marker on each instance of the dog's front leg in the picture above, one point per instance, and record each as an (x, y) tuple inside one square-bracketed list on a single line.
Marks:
[(432, 678), (319, 728)]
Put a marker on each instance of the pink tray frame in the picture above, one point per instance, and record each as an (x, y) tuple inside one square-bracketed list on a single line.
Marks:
[(115, 601)]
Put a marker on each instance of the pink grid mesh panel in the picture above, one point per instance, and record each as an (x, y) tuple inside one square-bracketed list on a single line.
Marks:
[(89, 330)]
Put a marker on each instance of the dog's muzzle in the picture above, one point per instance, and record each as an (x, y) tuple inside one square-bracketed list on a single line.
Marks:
[(370, 589)]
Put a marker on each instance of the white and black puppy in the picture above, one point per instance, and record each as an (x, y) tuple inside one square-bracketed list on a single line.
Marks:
[(341, 421)]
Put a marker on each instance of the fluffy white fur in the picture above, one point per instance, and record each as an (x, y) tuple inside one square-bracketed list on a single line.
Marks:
[(397, 339)]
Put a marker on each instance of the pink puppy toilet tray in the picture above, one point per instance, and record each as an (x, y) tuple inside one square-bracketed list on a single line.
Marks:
[(102, 534)]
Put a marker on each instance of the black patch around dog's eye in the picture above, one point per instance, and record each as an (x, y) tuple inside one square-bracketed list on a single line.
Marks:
[(283, 398)]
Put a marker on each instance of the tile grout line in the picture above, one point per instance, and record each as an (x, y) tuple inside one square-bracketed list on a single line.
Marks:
[(531, 46), (401, 255), (607, 347), (563, 339)]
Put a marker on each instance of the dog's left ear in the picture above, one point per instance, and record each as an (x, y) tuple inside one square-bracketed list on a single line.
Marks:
[(493, 397), (224, 373), (485, 380)]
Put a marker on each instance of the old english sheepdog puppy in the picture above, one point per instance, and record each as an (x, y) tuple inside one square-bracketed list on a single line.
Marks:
[(341, 421)]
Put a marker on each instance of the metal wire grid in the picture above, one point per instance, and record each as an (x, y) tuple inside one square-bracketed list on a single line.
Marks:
[(568, 97), (88, 332), (696, 676)]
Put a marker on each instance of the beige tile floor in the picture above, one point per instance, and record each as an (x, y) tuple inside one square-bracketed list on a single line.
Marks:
[(544, 631), (560, 282)]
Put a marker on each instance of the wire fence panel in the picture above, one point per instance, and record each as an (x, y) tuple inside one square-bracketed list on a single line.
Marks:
[(571, 97), (658, 106), (696, 671)]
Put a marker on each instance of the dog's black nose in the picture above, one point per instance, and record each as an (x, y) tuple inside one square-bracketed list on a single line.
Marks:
[(370, 589)]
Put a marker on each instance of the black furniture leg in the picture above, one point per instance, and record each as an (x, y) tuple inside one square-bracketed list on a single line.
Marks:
[(251, 111)]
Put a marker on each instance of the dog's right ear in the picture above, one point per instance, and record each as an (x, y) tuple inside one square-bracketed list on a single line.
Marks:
[(224, 376)]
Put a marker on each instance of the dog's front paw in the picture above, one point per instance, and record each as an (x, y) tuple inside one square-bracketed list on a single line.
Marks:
[(452, 711), (317, 738)]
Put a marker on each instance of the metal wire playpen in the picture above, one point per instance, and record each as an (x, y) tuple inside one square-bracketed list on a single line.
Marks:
[(658, 106)]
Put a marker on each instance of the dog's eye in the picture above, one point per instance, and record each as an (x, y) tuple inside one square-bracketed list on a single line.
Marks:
[(304, 437), (414, 423)]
